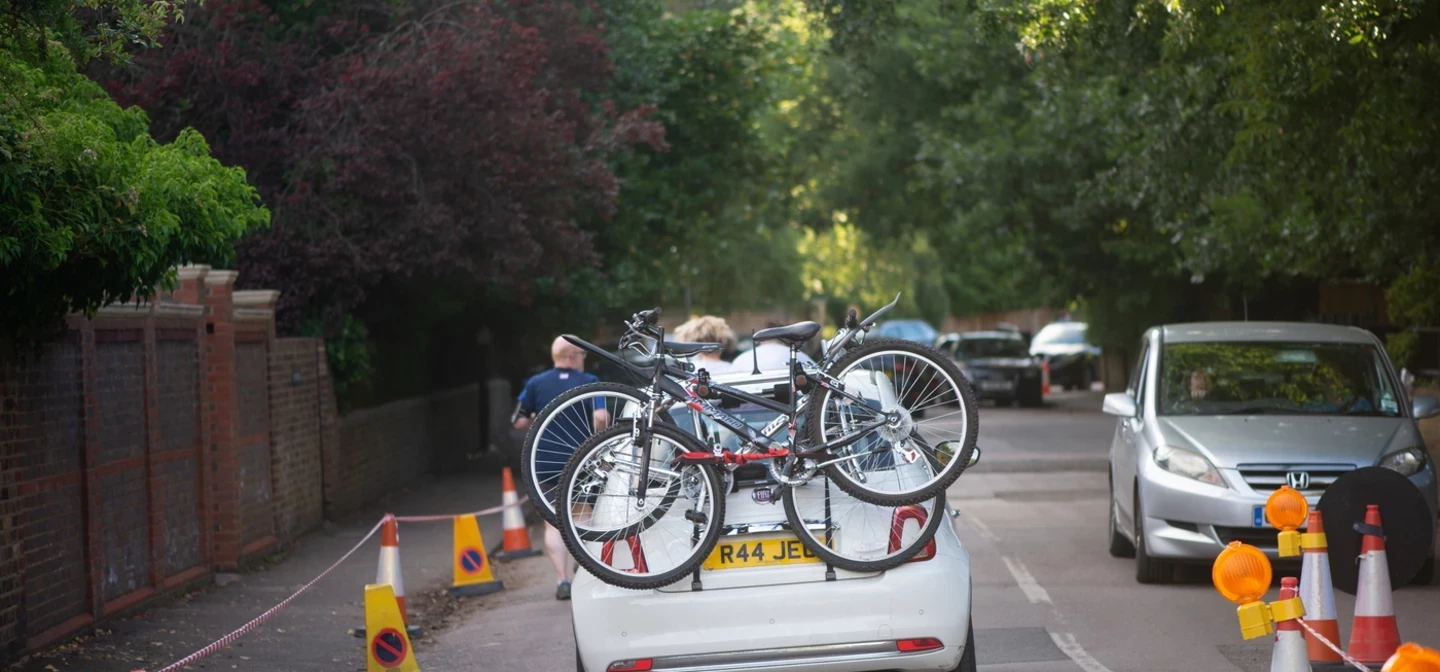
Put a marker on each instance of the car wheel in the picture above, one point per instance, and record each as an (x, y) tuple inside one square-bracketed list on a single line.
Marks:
[(967, 659), (1147, 569), (1426, 575), (1085, 378), (1120, 547)]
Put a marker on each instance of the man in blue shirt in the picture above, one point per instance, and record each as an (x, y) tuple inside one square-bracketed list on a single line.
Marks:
[(552, 450)]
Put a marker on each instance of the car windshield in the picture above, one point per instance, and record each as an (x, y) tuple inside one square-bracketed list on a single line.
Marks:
[(981, 348), (1277, 378), (1069, 333), (910, 330)]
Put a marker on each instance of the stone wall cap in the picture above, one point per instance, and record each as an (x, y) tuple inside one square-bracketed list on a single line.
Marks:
[(192, 271), (173, 309), (214, 278), (255, 298), (254, 314), (134, 308)]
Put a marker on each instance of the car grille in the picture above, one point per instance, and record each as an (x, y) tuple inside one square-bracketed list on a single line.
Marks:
[(1269, 477)]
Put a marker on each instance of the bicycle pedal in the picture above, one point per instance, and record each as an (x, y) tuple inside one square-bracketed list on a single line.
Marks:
[(696, 517)]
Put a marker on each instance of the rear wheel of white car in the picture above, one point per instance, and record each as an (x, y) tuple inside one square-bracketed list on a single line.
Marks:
[(637, 543), (1120, 547), (856, 535), (1147, 569), (967, 659), (915, 455)]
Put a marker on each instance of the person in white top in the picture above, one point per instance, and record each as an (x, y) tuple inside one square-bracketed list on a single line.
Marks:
[(707, 329)]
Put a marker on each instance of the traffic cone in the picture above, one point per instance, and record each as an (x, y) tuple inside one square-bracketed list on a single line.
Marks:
[(1045, 378), (1289, 654), (389, 649), (517, 536), (1318, 593), (389, 571), (1375, 635), (1413, 658), (473, 574)]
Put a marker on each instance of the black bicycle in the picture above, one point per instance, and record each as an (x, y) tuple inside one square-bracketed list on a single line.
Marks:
[(874, 420)]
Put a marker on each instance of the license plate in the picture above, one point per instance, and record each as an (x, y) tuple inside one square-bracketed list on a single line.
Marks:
[(996, 385), (1257, 517), (759, 552)]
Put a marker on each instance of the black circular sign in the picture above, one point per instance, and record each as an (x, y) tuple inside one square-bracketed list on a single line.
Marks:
[(388, 647), (1404, 515)]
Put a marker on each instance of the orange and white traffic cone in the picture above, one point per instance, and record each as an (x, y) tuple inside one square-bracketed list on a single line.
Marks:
[(389, 570), (1318, 592), (1289, 654), (517, 537), (1375, 636), (1045, 378)]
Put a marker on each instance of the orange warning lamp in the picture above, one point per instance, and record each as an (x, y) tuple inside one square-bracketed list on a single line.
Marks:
[(1287, 509), (1413, 658), (1242, 575)]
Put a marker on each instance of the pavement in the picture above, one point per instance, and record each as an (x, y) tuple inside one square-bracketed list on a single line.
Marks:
[(1048, 597), (312, 633)]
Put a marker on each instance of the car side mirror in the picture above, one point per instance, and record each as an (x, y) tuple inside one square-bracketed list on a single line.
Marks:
[(1120, 404), (1424, 406)]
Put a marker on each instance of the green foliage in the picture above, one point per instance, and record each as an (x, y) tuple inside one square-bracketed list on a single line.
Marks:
[(84, 29), (350, 354), (96, 211)]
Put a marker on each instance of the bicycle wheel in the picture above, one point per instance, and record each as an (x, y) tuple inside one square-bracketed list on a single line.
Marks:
[(560, 428), (629, 544), (922, 447), (856, 535)]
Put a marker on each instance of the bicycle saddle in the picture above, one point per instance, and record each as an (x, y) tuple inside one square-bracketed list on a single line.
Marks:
[(794, 334), (688, 349)]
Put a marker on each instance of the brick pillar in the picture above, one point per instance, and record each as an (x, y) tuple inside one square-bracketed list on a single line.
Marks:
[(220, 419), (12, 639), (191, 289)]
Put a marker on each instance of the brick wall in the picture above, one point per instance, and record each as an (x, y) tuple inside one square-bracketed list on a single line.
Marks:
[(387, 446), (296, 433)]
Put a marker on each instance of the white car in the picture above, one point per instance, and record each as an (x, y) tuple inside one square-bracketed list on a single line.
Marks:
[(757, 611)]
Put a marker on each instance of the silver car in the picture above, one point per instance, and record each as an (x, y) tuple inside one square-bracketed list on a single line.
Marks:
[(1218, 415)]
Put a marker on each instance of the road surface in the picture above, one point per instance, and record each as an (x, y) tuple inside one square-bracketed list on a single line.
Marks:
[(1048, 598)]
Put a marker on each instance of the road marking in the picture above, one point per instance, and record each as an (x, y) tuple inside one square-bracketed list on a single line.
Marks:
[(1067, 645), (981, 528), (1032, 588)]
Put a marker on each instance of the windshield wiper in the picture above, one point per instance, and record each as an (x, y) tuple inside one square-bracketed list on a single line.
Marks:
[(1253, 410)]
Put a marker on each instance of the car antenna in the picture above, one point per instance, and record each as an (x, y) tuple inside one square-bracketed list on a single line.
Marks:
[(754, 353)]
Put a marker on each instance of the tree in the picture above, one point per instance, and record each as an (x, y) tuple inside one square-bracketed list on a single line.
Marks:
[(96, 210)]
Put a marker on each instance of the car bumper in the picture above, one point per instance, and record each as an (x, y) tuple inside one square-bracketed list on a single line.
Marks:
[(1189, 520), (834, 626)]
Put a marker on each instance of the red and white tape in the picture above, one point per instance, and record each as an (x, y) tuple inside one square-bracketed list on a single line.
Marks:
[(227, 639), (452, 516), (1344, 656)]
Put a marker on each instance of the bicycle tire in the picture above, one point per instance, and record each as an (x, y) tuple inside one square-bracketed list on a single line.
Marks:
[(541, 490), (700, 547), (948, 473), (892, 559)]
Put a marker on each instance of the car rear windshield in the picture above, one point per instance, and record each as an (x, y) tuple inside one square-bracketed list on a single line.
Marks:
[(1275, 378), (981, 348), (1061, 334), (910, 330)]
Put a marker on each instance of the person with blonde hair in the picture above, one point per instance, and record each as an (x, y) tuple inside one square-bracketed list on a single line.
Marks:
[(707, 329)]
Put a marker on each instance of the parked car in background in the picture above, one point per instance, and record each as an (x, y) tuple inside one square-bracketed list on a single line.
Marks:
[(1074, 363), (997, 364), (918, 331), (757, 611), (1218, 415)]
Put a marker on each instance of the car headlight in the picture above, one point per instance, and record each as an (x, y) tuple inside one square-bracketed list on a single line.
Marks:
[(1405, 462), (1187, 463)]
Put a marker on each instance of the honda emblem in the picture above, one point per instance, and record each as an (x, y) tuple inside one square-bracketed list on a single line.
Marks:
[(1300, 480)]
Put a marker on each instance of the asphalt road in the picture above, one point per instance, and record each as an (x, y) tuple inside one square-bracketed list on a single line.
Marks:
[(1047, 595)]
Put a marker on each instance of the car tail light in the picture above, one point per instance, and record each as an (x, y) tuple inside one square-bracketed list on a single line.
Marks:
[(897, 530), (918, 644), (637, 665)]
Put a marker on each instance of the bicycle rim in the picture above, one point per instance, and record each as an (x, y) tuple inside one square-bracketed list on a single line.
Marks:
[(930, 434), (634, 546), (561, 427), (853, 534)]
